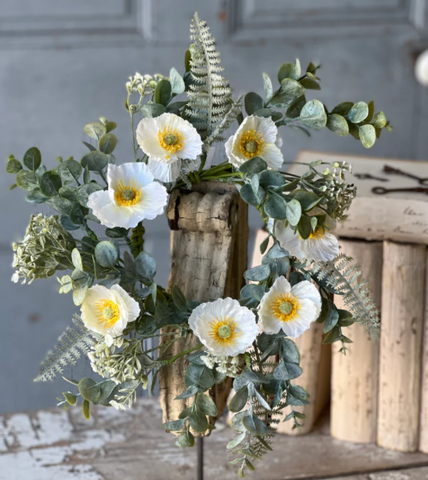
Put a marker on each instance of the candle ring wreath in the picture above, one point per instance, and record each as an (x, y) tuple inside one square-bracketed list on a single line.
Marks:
[(248, 340)]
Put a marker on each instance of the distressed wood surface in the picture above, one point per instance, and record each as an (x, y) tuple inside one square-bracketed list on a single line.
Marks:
[(423, 425), (355, 376), (131, 445), (403, 280), (398, 216), (209, 233)]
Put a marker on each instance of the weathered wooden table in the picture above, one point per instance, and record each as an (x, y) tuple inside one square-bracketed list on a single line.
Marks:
[(57, 444)]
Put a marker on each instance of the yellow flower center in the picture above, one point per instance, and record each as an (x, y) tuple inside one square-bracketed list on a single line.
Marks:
[(223, 331), (285, 306), (126, 195), (171, 140), (107, 312), (319, 233), (251, 144)]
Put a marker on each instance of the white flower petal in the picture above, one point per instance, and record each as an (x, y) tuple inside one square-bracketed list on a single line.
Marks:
[(165, 171), (128, 311), (272, 156), (266, 129), (307, 299), (202, 319), (323, 249), (289, 240), (137, 176)]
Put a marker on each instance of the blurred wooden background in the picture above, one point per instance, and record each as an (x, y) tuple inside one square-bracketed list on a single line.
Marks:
[(64, 64)]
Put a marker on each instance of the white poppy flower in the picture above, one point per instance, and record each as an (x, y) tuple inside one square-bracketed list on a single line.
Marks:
[(108, 311), (321, 245), (224, 327), (132, 196), (290, 309), (167, 140), (256, 137)]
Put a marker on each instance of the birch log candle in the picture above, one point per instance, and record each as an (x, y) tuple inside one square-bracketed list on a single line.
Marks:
[(354, 389), (403, 287)]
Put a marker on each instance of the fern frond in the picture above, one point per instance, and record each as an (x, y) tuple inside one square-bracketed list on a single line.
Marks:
[(73, 343), (343, 278), (210, 96), (228, 119)]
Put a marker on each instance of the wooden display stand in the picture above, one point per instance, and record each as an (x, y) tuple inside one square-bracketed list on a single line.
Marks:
[(209, 234), (377, 392)]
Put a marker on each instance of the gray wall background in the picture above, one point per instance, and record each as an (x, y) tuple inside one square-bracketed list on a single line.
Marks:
[(64, 64)]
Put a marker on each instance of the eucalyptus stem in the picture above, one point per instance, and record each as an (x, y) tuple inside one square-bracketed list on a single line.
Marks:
[(186, 352)]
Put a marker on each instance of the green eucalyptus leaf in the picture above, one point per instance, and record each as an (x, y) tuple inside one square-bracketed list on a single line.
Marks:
[(86, 409), (70, 398), (248, 195), (331, 320), (354, 130), (371, 111), (163, 92), (175, 425), (188, 393), (310, 84), (294, 212), (108, 143), (60, 204), (107, 392), (13, 166), (239, 400), (268, 113), (84, 192), (152, 110), (379, 120), (254, 425), (68, 192), (145, 265), (267, 85), (207, 405), (271, 178), (305, 227), (199, 375), (177, 82), (95, 130), (289, 70), (186, 439), (258, 273), (110, 126), (289, 90), (313, 115), (337, 124), (252, 102), (32, 159), (367, 135), (76, 259), (76, 215), (343, 108), (236, 441), (67, 223), (289, 351), (175, 106), (89, 390), (106, 254), (276, 207), (254, 165), (293, 111), (27, 180), (50, 183), (89, 146), (36, 196), (70, 170), (332, 336), (358, 112), (95, 161), (286, 371)]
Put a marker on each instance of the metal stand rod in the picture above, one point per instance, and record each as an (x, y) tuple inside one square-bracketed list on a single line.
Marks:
[(200, 458)]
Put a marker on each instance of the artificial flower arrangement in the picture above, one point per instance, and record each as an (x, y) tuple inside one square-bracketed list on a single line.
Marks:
[(112, 280)]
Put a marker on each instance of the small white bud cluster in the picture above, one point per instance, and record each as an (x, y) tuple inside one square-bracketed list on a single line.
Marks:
[(231, 366)]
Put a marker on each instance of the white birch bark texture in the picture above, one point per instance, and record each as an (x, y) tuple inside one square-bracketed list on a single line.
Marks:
[(423, 435), (209, 234), (355, 376), (403, 287)]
